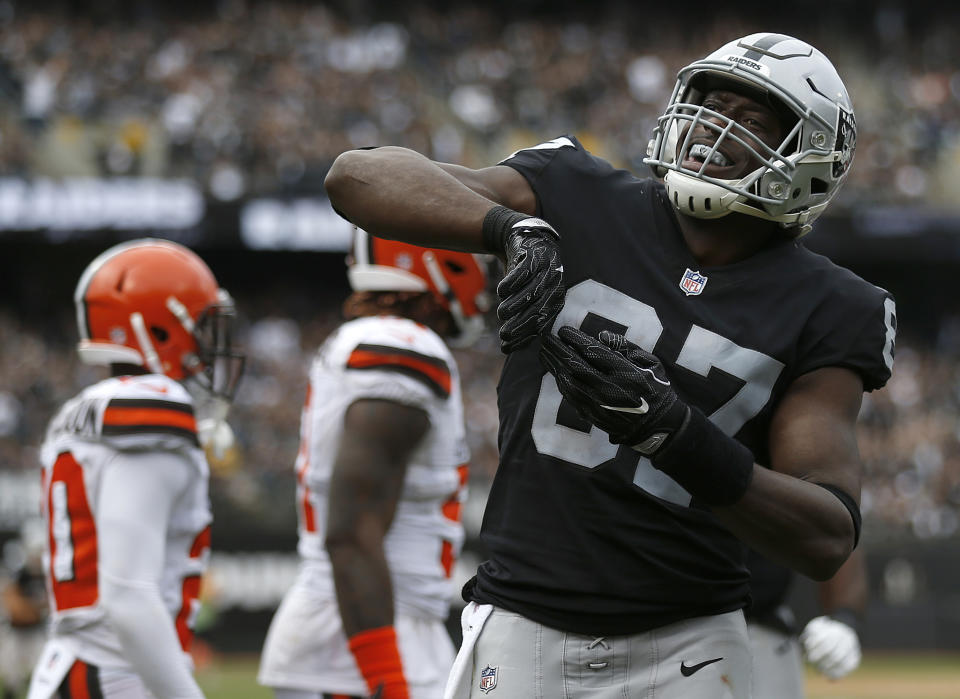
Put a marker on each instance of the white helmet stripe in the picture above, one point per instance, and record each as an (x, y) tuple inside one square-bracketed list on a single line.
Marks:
[(150, 355), (181, 313), (362, 244)]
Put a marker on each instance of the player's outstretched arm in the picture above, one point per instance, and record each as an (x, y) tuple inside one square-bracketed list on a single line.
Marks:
[(136, 497), (787, 515), (400, 194), (397, 193), (379, 436)]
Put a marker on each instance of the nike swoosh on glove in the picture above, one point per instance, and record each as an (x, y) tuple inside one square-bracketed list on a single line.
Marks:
[(832, 646), (618, 386), (532, 290)]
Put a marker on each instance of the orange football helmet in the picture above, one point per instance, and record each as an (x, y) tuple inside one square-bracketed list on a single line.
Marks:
[(154, 303), (458, 280)]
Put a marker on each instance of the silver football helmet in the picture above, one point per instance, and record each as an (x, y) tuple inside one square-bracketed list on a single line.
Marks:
[(795, 181)]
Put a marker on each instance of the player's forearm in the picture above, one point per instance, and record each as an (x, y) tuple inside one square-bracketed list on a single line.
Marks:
[(20, 610), (848, 589), (364, 590), (794, 522), (149, 640), (398, 193)]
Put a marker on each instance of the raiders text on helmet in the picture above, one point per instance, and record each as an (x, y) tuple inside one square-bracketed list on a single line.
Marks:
[(155, 304), (795, 181), (456, 279)]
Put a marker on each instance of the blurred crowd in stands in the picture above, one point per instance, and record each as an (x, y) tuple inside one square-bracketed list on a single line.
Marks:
[(247, 97)]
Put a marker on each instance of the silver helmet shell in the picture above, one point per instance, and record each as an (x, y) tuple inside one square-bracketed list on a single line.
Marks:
[(796, 181)]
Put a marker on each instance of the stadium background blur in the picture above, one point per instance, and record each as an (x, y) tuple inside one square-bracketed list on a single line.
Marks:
[(213, 124)]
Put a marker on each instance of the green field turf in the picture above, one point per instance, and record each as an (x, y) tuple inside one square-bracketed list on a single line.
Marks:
[(894, 676), (228, 677), (881, 676)]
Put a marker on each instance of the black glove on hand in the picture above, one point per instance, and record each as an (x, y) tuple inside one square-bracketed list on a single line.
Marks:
[(624, 390), (531, 292), (619, 387)]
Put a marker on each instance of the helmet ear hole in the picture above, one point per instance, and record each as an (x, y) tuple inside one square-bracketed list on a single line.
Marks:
[(454, 267), (159, 334)]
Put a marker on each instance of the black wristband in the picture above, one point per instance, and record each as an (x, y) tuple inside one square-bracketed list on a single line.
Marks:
[(496, 225), (852, 507), (713, 467)]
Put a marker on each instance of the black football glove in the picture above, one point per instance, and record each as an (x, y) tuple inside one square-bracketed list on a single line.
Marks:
[(619, 387), (531, 292)]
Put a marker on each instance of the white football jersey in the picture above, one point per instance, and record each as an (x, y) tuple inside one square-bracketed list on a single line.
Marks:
[(400, 360), (142, 414)]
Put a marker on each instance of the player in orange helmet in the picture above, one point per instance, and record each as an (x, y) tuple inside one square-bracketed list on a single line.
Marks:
[(125, 479), (381, 474)]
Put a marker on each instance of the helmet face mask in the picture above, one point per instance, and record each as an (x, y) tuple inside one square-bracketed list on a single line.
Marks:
[(221, 363), (456, 280), (155, 304), (794, 181)]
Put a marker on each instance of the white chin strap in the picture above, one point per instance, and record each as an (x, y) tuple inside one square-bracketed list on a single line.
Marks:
[(700, 199)]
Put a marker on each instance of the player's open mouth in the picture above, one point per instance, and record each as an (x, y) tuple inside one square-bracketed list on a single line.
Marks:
[(698, 153)]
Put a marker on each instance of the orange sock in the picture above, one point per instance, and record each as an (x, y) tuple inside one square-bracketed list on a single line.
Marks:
[(378, 658)]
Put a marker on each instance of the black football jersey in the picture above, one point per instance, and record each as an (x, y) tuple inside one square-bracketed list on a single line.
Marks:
[(769, 586), (584, 535)]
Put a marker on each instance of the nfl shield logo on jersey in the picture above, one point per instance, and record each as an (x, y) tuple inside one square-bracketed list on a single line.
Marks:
[(693, 282), (488, 679)]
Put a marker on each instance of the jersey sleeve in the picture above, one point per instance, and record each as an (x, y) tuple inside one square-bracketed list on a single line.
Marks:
[(531, 162), (855, 331), (138, 491), (428, 372), (409, 369), (141, 417)]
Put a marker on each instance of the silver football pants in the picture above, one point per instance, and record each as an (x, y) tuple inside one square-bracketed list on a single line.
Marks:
[(511, 657)]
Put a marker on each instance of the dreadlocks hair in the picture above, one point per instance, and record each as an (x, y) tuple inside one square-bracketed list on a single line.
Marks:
[(420, 306)]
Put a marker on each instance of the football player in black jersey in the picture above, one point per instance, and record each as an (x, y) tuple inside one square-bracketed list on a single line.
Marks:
[(683, 378)]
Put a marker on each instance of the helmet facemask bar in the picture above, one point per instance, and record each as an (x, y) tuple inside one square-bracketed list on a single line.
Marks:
[(779, 161), (219, 363)]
